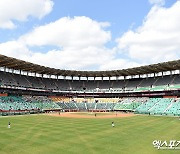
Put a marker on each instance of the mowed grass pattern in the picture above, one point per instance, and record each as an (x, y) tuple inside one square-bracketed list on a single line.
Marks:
[(43, 134)]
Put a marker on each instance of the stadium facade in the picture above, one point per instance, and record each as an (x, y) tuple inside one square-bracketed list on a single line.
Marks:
[(142, 89)]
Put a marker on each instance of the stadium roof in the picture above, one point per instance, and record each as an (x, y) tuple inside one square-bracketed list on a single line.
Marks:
[(16, 64)]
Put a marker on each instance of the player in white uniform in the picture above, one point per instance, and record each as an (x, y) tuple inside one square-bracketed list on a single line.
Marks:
[(113, 124), (9, 125)]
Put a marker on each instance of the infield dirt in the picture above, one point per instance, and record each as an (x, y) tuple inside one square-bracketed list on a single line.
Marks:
[(92, 115)]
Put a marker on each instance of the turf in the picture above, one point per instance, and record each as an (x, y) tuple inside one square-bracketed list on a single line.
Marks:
[(50, 135)]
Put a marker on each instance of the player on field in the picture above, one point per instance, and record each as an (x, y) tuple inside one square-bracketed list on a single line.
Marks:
[(9, 125), (113, 124)]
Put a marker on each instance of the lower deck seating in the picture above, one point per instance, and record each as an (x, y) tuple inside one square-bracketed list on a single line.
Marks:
[(129, 103), (151, 106), (81, 106), (145, 107), (174, 108), (28, 103), (160, 106)]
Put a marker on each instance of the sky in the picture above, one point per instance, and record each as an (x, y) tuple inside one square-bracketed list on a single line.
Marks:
[(90, 34)]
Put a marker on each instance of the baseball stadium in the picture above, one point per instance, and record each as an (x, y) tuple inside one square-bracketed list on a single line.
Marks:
[(89, 77), (48, 110)]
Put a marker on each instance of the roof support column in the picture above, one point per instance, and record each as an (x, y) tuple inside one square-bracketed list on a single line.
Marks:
[(116, 78), (124, 78)]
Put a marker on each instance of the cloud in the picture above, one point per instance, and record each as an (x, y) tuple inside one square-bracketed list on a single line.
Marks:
[(86, 59), (79, 43), (157, 2), (77, 32), (115, 64), (11, 10), (157, 40), (89, 58), (15, 49)]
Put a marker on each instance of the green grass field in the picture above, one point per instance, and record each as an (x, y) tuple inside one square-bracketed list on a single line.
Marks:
[(50, 135)]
